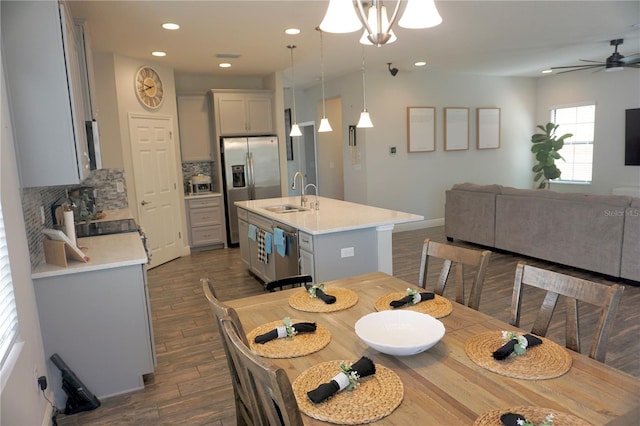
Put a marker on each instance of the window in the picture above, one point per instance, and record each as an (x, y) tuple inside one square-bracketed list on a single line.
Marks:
[(8, 315), (578, 150)]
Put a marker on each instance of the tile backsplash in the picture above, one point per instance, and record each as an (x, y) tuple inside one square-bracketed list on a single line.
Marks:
[(190, 169), (104, 181)]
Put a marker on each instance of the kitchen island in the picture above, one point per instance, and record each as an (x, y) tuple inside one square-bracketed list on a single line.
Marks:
[(96, 316), (338, 240)]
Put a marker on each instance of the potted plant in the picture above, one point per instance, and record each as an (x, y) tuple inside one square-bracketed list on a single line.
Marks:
[(546, 147)]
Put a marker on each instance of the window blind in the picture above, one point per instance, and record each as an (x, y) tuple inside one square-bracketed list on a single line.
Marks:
[(8, 314)]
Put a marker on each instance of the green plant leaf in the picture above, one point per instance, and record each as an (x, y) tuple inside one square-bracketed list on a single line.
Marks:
[(537, 168), (538, 176), (536, 148), (539, 138), (542, 156), (555, 155), (558, 144), (542, 185)]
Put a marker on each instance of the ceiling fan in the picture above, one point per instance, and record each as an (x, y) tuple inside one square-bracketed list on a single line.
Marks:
[(615, 62)]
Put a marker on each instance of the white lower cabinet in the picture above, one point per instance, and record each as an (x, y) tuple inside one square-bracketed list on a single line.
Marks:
[(99, 324), (305, 243), (205, 221)]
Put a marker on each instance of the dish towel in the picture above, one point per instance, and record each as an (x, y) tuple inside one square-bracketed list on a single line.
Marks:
[(279, 241), (263, 256), (252, 232), (268, 242)]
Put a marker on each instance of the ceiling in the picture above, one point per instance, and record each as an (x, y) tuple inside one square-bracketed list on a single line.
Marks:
[(501, 38)]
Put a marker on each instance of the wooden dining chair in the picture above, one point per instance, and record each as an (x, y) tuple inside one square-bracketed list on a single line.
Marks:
[(606, 297), (460, 257), (293, 281), (273, 388), (243, 389)]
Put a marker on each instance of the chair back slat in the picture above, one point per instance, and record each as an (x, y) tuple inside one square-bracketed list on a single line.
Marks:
[(272, 386), (605, 297), (458, 257), (244, 392)]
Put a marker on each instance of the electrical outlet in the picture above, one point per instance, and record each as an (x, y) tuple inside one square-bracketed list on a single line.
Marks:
[(392, 150), (35, 378), (119, 186), (347, 252), (42, 219)]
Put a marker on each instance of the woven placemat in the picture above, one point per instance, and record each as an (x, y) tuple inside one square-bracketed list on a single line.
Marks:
[(376, 396), (437, 307), (302, 301), (288, 347), (544, 361), (533, 414)]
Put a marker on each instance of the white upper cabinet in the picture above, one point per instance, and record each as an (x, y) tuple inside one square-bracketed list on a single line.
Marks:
[(44, 86), (195, 128), (244, 113)]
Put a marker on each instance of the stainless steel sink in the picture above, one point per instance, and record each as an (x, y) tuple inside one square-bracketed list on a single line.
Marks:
[(286, 208)]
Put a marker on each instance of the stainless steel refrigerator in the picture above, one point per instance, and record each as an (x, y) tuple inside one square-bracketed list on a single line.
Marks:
[(251, 172)]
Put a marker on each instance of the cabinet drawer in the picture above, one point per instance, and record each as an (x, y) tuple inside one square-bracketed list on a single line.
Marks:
[(203, 217), (206, 235), (260, 222), (305, 241), (204, 202), (243, 214)]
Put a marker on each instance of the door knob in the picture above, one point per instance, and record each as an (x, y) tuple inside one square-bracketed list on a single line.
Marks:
[(144, 203)]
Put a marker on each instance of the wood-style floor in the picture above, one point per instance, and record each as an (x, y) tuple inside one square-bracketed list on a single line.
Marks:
[(191, 383)]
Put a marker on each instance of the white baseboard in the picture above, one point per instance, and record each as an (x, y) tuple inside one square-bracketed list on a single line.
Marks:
[(422, 224), (48, 412)]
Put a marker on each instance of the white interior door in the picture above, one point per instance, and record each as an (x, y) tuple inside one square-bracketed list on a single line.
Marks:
[(154, 170)]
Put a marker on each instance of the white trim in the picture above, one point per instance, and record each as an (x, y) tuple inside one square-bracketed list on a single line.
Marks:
[(421, 224), (10, 362)]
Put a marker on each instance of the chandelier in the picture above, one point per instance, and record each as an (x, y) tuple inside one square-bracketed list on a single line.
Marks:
[(343, 17)]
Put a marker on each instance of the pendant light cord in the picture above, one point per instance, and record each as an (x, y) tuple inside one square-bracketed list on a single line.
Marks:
[(364, 90), (324, 115), (293, 83)]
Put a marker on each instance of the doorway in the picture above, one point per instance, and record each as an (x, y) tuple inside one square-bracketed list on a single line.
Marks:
[(304, 156)]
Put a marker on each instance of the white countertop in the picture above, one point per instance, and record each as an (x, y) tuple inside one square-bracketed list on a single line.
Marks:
[(202, 195), (104, 252), (333, 216), (115, 215)]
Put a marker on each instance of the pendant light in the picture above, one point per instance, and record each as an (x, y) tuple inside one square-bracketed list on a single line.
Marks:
[(295, 129), (324, 122), (345, 16), (365, 120)]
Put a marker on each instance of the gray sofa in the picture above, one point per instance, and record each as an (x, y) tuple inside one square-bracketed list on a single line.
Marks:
[(599, 233)]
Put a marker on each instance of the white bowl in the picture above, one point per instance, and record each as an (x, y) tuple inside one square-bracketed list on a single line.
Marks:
[(399, 332)]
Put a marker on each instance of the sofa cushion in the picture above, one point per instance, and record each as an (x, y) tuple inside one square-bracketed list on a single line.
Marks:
[(570, 229), (470, 215), (493, 189)]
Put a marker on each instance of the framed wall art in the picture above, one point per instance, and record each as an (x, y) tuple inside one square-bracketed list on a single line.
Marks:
[(488, 128), (456, 129), (421, 129)]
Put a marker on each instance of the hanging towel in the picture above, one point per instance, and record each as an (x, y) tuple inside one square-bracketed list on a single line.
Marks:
[(279, 241), (252, 232), (268, 243), (263, 256)]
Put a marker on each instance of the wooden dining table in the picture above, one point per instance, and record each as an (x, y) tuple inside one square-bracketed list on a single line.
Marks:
[(443, 386)]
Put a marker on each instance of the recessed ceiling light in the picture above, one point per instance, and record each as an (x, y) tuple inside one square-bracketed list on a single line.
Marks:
[(547, 71), (225, 65), (292, 31), (170, 26), (158, 53), (420, 64)]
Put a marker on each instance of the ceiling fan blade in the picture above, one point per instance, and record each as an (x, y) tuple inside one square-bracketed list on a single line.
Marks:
[(631, 59), (579, 66), (587, 60), (579, 69), (632, 66)]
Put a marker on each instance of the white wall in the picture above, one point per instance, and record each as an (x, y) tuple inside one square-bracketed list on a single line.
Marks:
[(416, 182), (21, 403), (613, 93)]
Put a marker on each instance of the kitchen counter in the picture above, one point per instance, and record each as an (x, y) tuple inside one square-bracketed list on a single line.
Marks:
[(340, 239), (118, 214), (202, 195), (333, 216), (104, 252)]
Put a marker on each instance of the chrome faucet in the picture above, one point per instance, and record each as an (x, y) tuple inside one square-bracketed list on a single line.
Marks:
[(317, 204), (303, 198)]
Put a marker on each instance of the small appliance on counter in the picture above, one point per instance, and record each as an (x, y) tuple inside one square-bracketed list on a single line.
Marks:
[(199, 184)]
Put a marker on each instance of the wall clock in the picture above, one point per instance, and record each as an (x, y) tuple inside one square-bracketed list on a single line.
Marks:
[(149, 87)]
